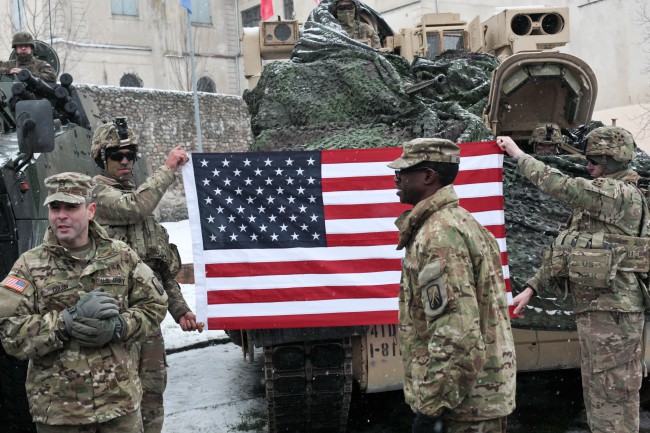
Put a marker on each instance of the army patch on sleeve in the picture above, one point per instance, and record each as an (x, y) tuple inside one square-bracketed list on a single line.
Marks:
[(434, 288), (16, 284)]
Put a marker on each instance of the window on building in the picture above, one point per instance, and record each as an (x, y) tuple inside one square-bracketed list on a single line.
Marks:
[(289, 12), (131, 79), (201, 12), (206, 84), (251, 17), (124, 7)]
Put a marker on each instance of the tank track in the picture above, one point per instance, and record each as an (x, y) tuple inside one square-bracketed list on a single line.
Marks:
[(308, 386)]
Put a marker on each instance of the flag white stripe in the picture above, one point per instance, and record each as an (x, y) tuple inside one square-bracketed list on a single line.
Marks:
[(372, 225), (200, 289), (378, 196), (266, 255), (303, 280), (362, 169), (306, 307), (269, 282)]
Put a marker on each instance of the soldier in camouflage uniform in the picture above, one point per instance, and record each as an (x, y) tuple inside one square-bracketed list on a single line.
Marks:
[(601, 258), (23, 43), (347, 14), (545, 139), (454, 326), (126, 212), (75, 306)]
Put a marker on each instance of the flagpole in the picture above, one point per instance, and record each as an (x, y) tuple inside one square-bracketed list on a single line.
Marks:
[(197, 119)]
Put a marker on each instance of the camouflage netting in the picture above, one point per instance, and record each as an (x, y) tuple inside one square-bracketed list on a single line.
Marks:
[(339, 93), (334, 86)]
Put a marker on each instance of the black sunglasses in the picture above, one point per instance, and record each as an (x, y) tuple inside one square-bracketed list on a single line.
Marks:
[(119, 156), (398, 173), (593, 161)]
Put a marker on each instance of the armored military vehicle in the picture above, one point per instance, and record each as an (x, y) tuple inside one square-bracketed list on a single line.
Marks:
[(500, 76)]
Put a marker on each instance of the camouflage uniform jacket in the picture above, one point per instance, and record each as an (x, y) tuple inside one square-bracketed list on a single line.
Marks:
[(608, 204), (67, 383), (363, 31), (37, 67), (127, 214), (455, 335)]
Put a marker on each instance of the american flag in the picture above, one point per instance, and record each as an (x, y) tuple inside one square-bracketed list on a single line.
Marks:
[(15, 283), (307, 239)]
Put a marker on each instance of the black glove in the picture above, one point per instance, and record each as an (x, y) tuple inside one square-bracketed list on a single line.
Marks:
[(426, 424), (92, 332), (95, 305)]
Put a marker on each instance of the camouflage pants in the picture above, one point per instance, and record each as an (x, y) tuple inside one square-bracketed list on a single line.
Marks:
[(610, 347), (495, 425), (153, 375), (129, 423)]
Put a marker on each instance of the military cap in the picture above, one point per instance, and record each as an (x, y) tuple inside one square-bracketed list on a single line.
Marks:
[(427, 149), (68, 187)]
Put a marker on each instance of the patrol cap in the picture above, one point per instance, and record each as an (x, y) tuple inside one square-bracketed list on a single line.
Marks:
[(68, 187), (427, 149)]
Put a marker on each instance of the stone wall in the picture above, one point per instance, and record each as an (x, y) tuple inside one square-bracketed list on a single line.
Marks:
[(165, 119)]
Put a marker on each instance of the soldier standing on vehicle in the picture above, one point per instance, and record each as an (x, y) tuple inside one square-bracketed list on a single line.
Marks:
[(23, 43), (75, 305), (126, 212), (347, 14), (454, 325), (545, 139), (599, 257)]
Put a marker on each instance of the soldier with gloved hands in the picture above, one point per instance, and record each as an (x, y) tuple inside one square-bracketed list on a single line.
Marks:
[(78, 307)]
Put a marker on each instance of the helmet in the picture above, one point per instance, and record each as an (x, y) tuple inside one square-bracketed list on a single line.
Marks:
[(548, 133), (614, 145), (22, 38), (114, 135)]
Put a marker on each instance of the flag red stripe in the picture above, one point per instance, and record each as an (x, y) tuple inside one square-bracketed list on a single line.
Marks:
[(479, 148), (362, 239), (256, 269), (342, 156), (498, 231), (389, 154), (393, 210), (481, 204), (303, 320), (302, 294), (386, 182), (351, 211), (479, 176)]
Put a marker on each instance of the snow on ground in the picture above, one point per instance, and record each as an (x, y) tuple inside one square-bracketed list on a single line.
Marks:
[(210, 389)]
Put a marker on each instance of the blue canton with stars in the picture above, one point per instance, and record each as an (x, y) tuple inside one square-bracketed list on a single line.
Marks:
[(260, 200)]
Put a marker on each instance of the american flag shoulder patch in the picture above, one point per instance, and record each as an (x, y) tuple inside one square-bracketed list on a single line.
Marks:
[(16, 284)]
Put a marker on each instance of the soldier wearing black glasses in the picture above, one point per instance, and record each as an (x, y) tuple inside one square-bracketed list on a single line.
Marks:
[(126, 212)]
